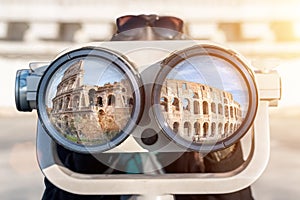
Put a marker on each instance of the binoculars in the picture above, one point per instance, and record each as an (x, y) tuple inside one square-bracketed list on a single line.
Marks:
[(149, 97)]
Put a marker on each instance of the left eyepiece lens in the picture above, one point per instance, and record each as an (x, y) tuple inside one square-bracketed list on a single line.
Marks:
[(90, 102)]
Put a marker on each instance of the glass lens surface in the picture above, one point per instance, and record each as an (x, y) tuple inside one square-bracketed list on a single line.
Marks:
[(89, 101), (204, 99)]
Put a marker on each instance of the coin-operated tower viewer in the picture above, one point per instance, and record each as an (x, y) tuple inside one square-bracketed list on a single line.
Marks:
[(154, 119)]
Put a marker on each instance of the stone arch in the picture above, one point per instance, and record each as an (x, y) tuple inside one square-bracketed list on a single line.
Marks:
[(231, 128), (225, 100), (99, 101), (164, 104), (67, 102), (175, 103), (205, 108), (226, 111), (74, 83), (66, 123), (196, 107), (220, 109), (197, 128), (220, 128), (213, 107), (205, 129), (231, 112), (91, 94), (60, 106), (226, 129), (175, 127), (111, 100), (235, 113), (187, 128)]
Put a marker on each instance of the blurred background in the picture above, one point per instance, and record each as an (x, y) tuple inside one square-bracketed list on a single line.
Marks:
[(267, 32)]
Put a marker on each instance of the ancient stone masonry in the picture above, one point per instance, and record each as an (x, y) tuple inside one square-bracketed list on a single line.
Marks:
[(199, 112), (90, 114)]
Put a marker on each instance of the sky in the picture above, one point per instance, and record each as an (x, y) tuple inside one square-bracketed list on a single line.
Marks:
[(214, 72), (100, 73)]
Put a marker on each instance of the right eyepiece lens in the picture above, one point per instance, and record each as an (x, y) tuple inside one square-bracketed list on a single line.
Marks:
[(205, 97)]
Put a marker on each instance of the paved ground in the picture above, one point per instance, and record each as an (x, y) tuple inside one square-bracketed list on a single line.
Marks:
[(20, 174), (281, 179), (21, 178)]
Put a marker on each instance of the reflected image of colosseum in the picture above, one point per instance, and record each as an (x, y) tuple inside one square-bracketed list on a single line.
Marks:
[(199, 112), (90, 114)]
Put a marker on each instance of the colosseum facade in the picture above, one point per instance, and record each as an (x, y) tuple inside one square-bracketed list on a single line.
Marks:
[(89, 114), (199, 112)]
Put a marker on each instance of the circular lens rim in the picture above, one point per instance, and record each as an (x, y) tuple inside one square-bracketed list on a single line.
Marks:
[(240, 65), (90, 52)]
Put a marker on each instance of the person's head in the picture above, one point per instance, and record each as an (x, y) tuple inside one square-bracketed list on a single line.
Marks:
[(148, 27)]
